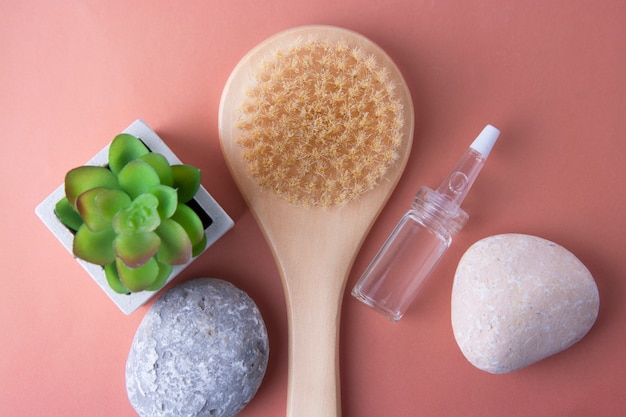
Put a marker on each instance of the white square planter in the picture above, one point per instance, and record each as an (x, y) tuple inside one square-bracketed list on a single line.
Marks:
[(220, 222)]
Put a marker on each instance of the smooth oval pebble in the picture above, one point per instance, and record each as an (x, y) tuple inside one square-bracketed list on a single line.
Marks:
[(201, 350), (517, 299)]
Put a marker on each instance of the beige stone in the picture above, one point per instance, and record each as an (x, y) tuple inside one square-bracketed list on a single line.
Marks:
[(518, 299)]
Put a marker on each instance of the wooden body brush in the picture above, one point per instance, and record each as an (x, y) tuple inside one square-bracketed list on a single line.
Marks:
[(316, 125)]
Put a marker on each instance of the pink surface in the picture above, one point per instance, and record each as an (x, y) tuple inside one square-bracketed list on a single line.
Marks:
[(549, 74)]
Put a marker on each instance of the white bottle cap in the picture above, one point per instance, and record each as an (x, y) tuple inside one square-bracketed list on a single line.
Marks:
[(485, 141)]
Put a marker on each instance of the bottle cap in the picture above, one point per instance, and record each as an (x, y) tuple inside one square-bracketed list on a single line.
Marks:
[(485, 140)]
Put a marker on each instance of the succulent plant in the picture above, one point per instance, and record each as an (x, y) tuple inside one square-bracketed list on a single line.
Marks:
[(132, 217)]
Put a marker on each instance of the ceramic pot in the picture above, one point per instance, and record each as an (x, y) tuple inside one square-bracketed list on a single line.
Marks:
[(214, 218)]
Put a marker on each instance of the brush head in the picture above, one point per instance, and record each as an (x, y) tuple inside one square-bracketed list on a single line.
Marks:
[(321, 122)]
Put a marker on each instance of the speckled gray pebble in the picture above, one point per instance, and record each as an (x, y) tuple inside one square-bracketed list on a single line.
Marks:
[(518, 299), (201, 350)]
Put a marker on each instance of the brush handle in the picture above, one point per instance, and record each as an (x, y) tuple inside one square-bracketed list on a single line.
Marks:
[(314, 251), (314, 308)]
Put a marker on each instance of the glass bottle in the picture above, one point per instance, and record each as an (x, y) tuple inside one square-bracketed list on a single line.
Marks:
[(394, 277)]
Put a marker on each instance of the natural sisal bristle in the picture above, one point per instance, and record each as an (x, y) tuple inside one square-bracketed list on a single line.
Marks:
[(322, 123)]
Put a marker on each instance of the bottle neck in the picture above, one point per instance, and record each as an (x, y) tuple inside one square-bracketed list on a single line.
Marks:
[(458, 183), (437, 212)]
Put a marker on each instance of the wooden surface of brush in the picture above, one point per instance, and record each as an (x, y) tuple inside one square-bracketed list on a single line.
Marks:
[(316, 125)]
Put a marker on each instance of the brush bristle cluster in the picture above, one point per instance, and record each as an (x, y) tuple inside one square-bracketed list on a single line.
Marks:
[(321, 124)]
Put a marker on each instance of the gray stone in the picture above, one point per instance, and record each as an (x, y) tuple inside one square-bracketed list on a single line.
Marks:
[(201, 350)]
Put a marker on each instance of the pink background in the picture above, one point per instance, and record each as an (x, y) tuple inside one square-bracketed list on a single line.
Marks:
[(549, 74)]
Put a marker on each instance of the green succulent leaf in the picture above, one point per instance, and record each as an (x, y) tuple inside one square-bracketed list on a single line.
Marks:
[(137, 248), (175, 246), (137, 178), (168, 200), (164, 273), (197, 249), (142, 216), (94, 247), (161, 166), (113, 279), (86, 206), (186, 181), (81, 179), (110, 202), (190, 221), (125, 148), (138, 279), (68, 216)]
